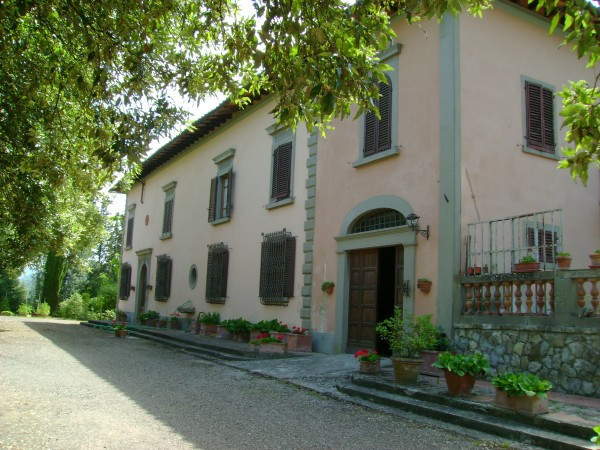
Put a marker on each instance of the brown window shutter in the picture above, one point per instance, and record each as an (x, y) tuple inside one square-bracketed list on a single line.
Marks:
[(264, 274), (285, 170), (290, 263), (229, 194), (548, 108), (384, 139), (168, 272), (125, 282), (370, 133), (275, 174), (160, 280), (212, 201)]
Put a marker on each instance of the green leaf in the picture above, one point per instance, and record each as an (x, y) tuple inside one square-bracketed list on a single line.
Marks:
[(327, 103)]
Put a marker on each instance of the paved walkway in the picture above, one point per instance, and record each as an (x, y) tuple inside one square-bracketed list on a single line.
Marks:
[(321, 373)]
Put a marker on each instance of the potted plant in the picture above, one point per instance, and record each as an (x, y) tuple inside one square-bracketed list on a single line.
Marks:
[(174, 321), (223, 330), (239, 329), (119, 328), (280, 329), (595, 259), (596, 439), (269, 344), (208, 323), (424, 285), (563, 259), (160, 322), (151, 317), (264, 326), (142, 317), (370, 361), (327, 287), (196, 325), (527, 264), (407, 338), (298, 340), (430, 355), (522, 392), (461, 371), (121, 316)]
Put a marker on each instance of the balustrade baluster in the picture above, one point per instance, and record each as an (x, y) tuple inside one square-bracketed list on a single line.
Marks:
[(528, 297), (477, 298), (551, 295), (497, 296), (507, 297), (487, 296), (594, 292), (518, 295), (468, 298), (541, 297), (580, 292)]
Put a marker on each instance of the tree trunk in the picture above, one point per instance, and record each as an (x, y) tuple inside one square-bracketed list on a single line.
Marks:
[(54, 273)]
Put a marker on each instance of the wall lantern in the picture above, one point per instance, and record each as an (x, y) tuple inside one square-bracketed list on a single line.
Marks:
[(412, 221)]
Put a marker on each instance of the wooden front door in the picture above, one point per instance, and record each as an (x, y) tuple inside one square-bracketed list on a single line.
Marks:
[(362, 316)]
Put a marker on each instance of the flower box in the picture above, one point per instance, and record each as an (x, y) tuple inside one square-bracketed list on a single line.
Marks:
[(273, 347), (526, 267), (196, 327), (208, 329), (522, 403), (370, 367), (429, 357), (299, 342), (240, 337), (173, 325), (279, 335), (120, 333)]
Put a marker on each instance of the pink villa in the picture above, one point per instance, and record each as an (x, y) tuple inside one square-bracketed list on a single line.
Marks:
[(455, 184)]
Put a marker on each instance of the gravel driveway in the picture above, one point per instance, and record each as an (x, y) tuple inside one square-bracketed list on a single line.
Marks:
[(66, 386)]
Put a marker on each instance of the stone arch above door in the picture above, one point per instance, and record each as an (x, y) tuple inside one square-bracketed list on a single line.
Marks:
[(371, 204)]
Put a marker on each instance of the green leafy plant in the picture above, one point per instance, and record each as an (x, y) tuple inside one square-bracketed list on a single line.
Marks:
[(367, 355), (442, 341), (151, 315), (24, 310), (423, 280), (43, 310), (475, 364), (597, 250), (596, 439), (563, 254), (527, 259), (327, 285), (237, 326), (211, 318), (142, 316), (118, 326), (7, 313), (522, 384), (266, 338), (407, 337), (174, 317), (265, 326)]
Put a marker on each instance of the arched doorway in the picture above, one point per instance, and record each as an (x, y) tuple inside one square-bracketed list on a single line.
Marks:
[(376, 251), (143, 284), (141, 299)]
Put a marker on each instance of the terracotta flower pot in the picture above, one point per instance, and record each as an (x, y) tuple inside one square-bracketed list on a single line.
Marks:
[(223, 333), (424, 286), (406, 370), (195, 327), (564, 262), (459, 385), (370, 367), (240, 337), (525, 404), (120, 333), (208, 329), (594, 260), (174, 325), (329, 290), (429, 357), (299, 342), (273, 347), (526, 267)]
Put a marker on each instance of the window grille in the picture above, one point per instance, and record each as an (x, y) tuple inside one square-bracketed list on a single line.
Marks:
[(216, 273), (164, 268), (168, 217), (378, 220), (277, 265), (129, 240), (125, 282), (495, 245)]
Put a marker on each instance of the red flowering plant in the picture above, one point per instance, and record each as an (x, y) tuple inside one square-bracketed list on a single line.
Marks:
[(367, 355), (299, 330), (118, 326), (265, 338), (174, 317)]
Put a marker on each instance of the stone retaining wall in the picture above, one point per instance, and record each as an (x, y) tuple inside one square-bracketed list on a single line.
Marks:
[(567, 356)]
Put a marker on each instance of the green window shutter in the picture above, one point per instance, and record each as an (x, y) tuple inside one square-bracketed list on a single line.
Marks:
[(290, 263), (370, 133), (125, 282), (282, 172), (168, 217), (548, 102), (212, 202), (164, 267), (229, 198), (129, 239), (216, 273), (277, 268), (384, 136)]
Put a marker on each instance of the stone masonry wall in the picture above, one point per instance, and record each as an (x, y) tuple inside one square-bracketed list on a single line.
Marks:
[(567, 356)]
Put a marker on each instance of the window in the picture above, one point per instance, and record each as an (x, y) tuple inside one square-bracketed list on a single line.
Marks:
[(125, 282), (282, 167), (164, 267), (277, 263), (216, 273), (377, 134), (545, 241), (539, 117), (378, 219), (167, 228), (221, 188), (129, 234)]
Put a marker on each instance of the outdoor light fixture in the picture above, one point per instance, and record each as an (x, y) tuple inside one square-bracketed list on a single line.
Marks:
[(413, 222)]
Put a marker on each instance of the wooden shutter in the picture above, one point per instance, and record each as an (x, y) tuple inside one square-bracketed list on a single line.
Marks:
[(539, 105), (168, 272), (224, 272), (212, 201), (168, 216), (290, 263), (263, 284), (163, 278), (129, 239), (370, 133), (384, 140), (229, 176), (125, 282), (282, 172), (216, 273)]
